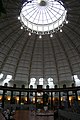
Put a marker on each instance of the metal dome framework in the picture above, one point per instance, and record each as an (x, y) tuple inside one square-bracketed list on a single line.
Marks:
[(43, 16), (25, 57)]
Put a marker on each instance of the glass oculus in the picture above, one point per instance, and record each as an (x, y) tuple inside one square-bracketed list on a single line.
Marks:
[(42, 16)]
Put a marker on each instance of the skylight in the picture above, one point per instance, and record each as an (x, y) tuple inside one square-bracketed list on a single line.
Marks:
[(42, 16)]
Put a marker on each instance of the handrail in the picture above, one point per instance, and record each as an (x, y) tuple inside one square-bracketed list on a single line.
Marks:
[(41, 90), (68, 115)]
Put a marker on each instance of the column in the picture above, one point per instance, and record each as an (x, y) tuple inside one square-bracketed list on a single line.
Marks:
[(68, 100), (43, 99), (19, 97), (3, 98), (59, 98), (51, 100), (76, 96), (36, 99), (27, 97), (11, 97)]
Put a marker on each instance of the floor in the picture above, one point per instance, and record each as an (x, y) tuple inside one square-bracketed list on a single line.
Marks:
[(28, 115), (21, 115), (1, 117)]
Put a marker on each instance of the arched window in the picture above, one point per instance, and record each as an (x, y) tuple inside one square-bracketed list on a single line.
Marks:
[(50, 83), (77, 80), (41, 81), (8, 78), (1, 76), (32, 82)]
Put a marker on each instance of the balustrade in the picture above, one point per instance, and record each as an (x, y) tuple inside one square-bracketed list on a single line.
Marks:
[(57, 97)]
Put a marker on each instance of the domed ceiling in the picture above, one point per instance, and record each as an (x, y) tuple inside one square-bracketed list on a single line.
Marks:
[(25, 57)]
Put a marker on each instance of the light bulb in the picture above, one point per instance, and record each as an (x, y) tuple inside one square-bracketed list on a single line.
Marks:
[(18, 17), (66, 22), (60, 30), (21, 27), (29, 34), (51, 35), (40, 36)]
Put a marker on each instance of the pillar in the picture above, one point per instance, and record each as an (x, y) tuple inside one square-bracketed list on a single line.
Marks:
[(20, 97), (3, 98), (59, 98), (11, 101), (51, 100)]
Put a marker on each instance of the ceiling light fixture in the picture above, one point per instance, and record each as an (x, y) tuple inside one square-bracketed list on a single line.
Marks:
[(66, 22), (18, 17), (29, 34), (21, 27), (51, 35), (40, 36), (60, 30), (43, 16)]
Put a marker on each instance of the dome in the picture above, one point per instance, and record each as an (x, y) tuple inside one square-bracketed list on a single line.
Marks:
[(43, 16), (25, 55)]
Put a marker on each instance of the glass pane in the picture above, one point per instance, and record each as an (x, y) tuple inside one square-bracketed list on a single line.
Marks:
[(42, 15)]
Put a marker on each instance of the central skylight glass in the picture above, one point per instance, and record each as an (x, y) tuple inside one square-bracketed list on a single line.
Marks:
[(43, 16)]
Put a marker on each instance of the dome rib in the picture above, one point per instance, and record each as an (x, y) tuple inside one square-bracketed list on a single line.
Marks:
[(67, 58), (20, 55), (10, 50), (55, 60), (8, 25), (43, 58), (7, 36), (32, 53), (70, 40)]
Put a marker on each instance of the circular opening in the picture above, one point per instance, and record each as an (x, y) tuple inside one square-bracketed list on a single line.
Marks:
[(43, 3), (43, 16)]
